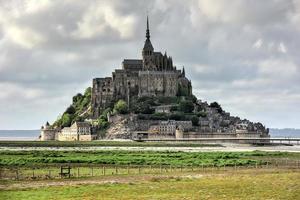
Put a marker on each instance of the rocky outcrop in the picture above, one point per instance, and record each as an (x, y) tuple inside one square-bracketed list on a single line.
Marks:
[(119, 130)]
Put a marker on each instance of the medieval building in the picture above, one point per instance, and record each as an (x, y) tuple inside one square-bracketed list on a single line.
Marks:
[(153, 75)]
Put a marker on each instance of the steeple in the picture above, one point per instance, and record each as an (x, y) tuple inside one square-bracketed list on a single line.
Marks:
[(147, 30), (183, 71), (148, 48)]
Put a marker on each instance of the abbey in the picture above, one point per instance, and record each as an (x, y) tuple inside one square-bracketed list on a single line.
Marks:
[(153, 75)]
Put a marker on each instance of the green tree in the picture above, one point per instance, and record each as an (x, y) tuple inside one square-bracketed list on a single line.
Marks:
[(217, 106), (186, 106), (178, 116), (102, 123), (121, 107), (105, 112), (70, 110), (66, 120), (77, 98)]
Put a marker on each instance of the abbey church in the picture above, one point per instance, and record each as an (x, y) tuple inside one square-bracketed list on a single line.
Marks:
[(153, 75)]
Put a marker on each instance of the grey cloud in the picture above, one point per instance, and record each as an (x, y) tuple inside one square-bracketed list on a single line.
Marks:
[(215, 42)]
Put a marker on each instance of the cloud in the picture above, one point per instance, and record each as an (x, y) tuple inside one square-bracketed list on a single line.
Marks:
[(258, 44), (99, 18), (244, 55), (23, 36)]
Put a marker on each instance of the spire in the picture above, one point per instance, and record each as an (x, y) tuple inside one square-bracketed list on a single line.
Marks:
[(148, 48), (183, 71), (148, 31)]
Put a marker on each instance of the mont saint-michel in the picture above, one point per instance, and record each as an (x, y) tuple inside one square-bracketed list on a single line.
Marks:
[(146, 98)]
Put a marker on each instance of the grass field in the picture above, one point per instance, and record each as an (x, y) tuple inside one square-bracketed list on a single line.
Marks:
[(251, 184), (43, 158), (101, 144)]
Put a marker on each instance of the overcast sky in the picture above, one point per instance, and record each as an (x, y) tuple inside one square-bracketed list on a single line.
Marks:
[(243, 54)]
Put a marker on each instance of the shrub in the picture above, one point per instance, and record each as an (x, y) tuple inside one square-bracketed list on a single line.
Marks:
[(143, 108), (159, 116), (177, 116), (201, 114), (121, 107), (195, 120)]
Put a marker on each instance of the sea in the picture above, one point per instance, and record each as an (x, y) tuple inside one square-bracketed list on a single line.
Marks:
[(19, 135), (33, 135)]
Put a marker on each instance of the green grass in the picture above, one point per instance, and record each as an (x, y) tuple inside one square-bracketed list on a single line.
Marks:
[(42, 158), (101, 144), (252, 185)]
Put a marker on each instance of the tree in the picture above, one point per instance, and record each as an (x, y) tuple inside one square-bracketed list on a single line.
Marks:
[(217, 106), (202, 114), (195, 120), (102, 123), (66, 120), (77, 98), (121, 107), (105, 112), (186, 106), (88, 92), (70, 110), (177, 116)]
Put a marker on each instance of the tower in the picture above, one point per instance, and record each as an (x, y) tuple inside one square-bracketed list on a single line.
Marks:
[(148, 50)]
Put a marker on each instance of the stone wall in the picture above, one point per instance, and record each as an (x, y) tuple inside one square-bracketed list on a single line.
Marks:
[(48, 134)]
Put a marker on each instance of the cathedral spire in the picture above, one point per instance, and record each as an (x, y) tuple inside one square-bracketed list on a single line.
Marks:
[(148, 48), (147, 30)]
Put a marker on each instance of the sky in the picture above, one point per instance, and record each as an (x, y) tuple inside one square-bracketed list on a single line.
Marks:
[(243, 54)]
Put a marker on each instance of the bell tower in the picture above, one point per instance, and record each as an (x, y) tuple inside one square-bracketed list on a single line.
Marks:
[(148, 50)]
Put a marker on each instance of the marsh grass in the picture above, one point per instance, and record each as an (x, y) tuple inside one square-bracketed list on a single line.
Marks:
[(249, 184)]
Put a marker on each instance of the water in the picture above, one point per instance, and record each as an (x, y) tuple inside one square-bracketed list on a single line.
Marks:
[(19, 134), (283, 133)]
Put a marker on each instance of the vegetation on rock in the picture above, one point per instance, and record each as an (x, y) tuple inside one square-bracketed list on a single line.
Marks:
[(121, 107), (77, 111)]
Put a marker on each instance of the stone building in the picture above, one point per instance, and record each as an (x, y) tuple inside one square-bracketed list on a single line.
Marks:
[(79, 131), (168, 128), (153, 75), (48, 133)]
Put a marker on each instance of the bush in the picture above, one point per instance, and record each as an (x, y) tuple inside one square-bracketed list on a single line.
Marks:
[(201, 114), (105, 112), (121, 107), (143, 108), (177, 116), (195, 120), (168, 100), (174, 108), (159, 116)]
